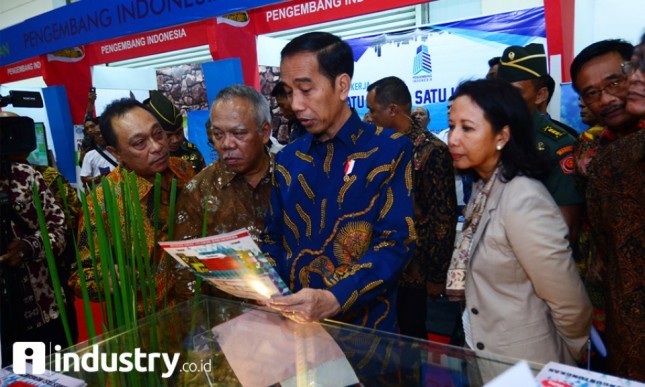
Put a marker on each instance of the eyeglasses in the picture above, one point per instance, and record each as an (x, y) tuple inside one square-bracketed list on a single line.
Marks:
[(615, 88), (629, 68)]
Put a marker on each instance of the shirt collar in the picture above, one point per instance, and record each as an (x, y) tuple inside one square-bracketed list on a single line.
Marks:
[(143, 185), (350, 130), (415, 130), (119, 174), (607, 135), (226, 177)]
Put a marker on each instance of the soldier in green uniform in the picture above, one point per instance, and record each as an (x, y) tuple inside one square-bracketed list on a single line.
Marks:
[(171, 121), (526, 69)]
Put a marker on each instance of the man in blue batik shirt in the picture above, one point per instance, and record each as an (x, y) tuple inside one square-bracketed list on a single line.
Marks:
[(340, 227)]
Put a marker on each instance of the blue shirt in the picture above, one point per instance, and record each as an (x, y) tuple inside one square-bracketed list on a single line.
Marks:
[(341, 218)]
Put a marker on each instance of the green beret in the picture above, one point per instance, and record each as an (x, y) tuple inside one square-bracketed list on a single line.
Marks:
[(522, 63), (165, 111)]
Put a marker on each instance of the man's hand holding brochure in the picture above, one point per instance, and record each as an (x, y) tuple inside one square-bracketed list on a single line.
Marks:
[(232, 262)]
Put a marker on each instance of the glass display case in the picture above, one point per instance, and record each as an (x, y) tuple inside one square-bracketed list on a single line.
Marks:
[(215, 342)]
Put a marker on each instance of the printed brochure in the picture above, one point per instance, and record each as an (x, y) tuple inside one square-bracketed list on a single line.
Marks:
[(232, 262)]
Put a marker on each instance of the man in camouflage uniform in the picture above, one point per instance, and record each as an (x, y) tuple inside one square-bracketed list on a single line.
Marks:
[(526, 69), (171, 121)]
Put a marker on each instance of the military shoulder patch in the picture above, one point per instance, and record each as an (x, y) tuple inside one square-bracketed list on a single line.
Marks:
[(567, 165), (552, 132), (564, 150)]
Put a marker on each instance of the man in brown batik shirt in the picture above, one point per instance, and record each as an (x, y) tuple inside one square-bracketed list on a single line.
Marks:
[(234, 191)]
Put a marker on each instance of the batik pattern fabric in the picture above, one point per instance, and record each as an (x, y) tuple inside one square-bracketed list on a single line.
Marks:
[(68, 192), (435, 211), (224, 200), (66, 198), (616, 209), (459, 263), (178, 169), (588, 259), (35, 287), (341, 219), (585, 149)]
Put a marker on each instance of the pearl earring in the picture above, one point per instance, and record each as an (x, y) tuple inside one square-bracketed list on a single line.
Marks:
[(499, 147)]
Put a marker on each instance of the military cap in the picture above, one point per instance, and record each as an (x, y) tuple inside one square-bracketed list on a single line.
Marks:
[(522, 63), (165, 111)]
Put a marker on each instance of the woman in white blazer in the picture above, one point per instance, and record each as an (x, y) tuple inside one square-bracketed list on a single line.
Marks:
[(523, 295)]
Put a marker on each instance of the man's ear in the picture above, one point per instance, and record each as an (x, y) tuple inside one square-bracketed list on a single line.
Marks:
[(542, 96), (393, 109), (115, 152), (343, 83), (265, 132)]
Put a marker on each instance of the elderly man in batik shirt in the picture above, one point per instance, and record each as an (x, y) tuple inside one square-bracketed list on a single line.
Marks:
[(140, 144), (233, 192)]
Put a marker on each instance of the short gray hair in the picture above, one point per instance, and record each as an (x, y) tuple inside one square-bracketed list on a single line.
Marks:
[(260, 104)]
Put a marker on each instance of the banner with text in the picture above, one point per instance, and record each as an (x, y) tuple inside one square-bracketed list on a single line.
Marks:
[(150, 43), (86, 22), (300, 13), (25, 69), (434, 59)]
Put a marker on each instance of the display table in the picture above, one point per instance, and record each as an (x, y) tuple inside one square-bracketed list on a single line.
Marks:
[(211, 341)]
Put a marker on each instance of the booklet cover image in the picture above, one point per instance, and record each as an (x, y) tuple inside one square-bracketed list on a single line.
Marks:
[(232, 262)]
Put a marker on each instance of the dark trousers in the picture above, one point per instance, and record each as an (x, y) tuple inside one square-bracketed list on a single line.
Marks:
[(412, 312), (411, 315)]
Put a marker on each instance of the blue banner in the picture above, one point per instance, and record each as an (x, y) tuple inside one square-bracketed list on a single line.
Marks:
[(92, 21), (433, 60)]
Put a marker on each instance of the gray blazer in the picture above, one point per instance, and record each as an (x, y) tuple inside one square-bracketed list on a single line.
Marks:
[(523, 291)]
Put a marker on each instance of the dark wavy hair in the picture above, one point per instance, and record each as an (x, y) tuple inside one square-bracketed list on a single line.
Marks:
[(335, 57), (503, 105)]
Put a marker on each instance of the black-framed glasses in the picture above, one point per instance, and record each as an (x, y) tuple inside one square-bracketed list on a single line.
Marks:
[(615, 88), (629, 68)]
